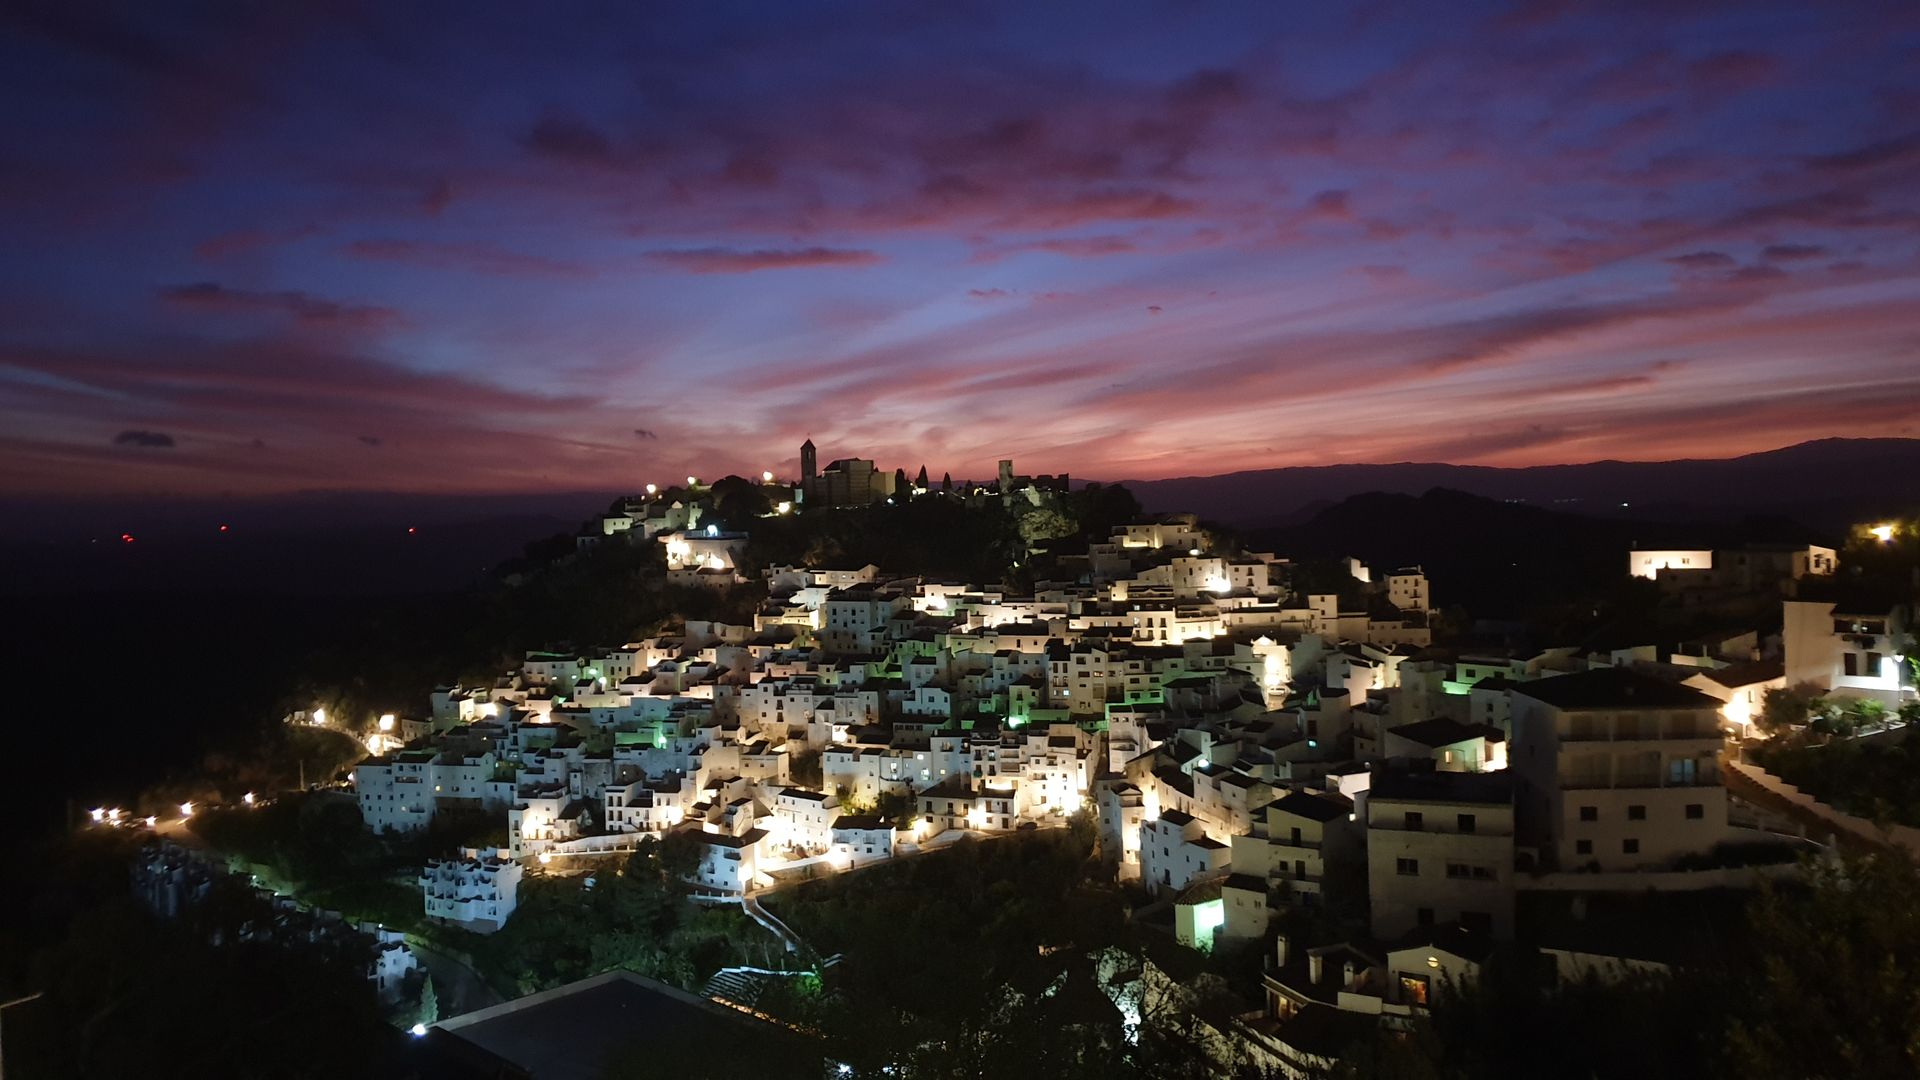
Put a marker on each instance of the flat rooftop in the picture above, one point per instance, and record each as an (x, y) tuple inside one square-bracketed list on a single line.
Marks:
[(572, 1032)]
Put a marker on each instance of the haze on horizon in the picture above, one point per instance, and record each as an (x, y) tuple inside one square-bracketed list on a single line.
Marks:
[(477, 248)]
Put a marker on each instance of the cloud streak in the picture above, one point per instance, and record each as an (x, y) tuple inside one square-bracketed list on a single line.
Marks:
[(729, 261), (943, 234)]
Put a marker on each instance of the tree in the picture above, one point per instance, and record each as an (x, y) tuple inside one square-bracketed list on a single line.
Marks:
[(1788, 708), (1829, 990), (1044, 523), (740, 510), (1097, 508), (423, 1008), (897, 807)]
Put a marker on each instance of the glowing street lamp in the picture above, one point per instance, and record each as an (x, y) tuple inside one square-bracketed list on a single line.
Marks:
[(247, 798), (387, 721), (98, 814), (653, 489), (319, 716), (766, 477), (692, 480), (186, 810), (1882, 533)]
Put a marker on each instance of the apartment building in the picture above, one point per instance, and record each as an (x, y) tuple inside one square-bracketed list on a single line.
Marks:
[(1617, 770), (1440, 850)]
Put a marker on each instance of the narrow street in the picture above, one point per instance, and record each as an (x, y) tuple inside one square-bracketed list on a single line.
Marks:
[(459, 988)]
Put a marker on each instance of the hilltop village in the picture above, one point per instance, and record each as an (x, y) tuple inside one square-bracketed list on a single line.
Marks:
[(1244, 749)]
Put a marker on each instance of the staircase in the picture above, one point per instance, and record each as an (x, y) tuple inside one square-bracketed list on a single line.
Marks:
[(736, 986)]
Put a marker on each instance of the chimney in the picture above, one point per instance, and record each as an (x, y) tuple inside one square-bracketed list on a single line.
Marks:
[(1348, 973), (1316, 967), (1281, 951)]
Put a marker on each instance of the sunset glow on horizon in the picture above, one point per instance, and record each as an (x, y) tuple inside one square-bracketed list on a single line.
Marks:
[(444, 248)]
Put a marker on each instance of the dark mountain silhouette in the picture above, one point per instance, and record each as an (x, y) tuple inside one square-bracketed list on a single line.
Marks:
[(1499, 559), (1828, 483)]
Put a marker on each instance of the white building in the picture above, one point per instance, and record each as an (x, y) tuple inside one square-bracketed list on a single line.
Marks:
[(861, 839), (476, 891), (1440, 850), (728, 863), (1648, 564), (1407, 589), (396, 792), (803, 820), (1617, 769), (1175, 851), (957, 805), (1742, 690), (1298, 837), (1850, 649)]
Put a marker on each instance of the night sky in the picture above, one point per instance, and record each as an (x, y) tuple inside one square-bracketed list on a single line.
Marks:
[(520, 247)]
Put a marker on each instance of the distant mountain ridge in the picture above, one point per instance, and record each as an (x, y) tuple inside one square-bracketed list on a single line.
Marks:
[(1825, 482)]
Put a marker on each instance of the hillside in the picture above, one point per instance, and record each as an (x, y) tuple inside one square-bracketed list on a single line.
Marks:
[(1497, 559)]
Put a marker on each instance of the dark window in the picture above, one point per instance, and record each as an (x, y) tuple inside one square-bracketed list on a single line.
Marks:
[(1296, 836), (1873, 664), (1630, 847), (1583, 847), (1424, 915), (1465, 822), (1459, 870), (1852, 662), (1414, 819), (1695, 811), (1407, 867), (1589, 813), (1636, 813)]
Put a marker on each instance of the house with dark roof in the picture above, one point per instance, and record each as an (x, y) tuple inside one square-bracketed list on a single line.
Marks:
[(1440, 849), (1176, 851), (1295, 840), (1617, 770), (1742, 690), (1449, 744)]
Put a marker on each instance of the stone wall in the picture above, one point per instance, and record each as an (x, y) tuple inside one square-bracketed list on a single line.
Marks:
[(1901, 836)]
